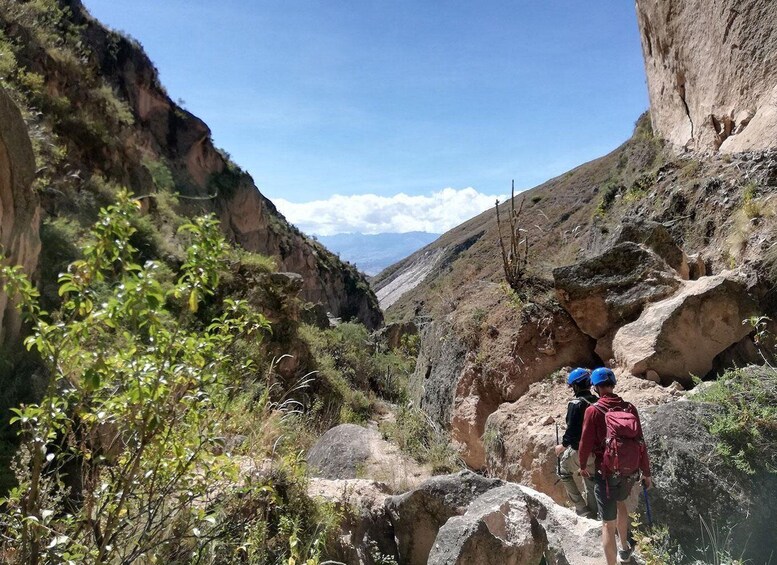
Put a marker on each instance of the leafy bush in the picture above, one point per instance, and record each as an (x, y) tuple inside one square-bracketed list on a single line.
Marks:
[(419, 437), (746, 428), (122, 459)]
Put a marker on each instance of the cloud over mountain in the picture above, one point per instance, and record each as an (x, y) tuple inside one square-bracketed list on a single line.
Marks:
[(370, 213)]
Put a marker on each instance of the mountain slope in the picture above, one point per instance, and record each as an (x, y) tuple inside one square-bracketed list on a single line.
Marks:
[(374, 252), (573, 216), (100, 119)]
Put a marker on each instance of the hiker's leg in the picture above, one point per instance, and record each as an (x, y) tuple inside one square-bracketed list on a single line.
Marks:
[(608, 511), (589, 485), (569, 466), (623, 525), (608, 541)]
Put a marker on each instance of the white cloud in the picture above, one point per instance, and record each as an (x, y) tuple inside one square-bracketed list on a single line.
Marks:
[(370, 213)]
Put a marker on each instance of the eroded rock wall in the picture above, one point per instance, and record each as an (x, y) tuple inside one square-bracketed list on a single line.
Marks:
[(19, 207), (209, 183), (712, 72)]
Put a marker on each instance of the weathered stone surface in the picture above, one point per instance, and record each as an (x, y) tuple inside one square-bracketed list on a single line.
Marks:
[(441, 359), (607, 291), (393, 334), (365, 529), (694, 483), (540, 346), (680, 336), (19, 207), (657, 237), (712, 71), (515, 525), (418, 515), (349, 451), (247, 217)]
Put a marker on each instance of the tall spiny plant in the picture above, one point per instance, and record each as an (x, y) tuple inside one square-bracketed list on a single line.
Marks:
[(516, 260)]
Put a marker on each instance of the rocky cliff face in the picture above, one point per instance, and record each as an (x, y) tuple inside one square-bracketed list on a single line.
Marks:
[(205, 179), (19, 207), (712, 72)]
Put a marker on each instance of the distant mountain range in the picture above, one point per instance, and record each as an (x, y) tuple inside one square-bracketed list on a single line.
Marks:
[(374, 252)]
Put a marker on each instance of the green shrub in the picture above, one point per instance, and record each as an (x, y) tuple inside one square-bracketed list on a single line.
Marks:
[(746, 428), (419, 437)]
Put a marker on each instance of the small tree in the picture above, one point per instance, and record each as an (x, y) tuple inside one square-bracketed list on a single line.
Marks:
[(120, 460), (517, 259)]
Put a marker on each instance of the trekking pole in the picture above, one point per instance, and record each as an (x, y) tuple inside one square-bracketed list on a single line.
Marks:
[(558, 459), (647, 503)]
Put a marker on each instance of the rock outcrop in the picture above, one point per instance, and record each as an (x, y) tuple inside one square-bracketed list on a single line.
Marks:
[(657, 237), (208, 182), (681, 336), (349, 451), (19, 208), (366, 535), (419, 514), (696, 486), (712, 72), (604, 292), (469, 519), (514, 525)]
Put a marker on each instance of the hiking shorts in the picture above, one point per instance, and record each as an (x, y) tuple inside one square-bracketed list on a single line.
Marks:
[(611, 491)]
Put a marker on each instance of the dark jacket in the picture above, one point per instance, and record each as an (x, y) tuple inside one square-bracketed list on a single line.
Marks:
[(575, 412), (595, 433)]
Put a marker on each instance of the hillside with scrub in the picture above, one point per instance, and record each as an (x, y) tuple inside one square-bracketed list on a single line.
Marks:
[(188, 378)]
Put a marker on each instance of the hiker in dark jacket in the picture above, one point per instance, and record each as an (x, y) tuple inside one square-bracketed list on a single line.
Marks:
[(612, 432), (579, 381)]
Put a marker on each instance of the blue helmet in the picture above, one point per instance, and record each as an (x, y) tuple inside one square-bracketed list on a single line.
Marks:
[(578, 376), (603, 375)]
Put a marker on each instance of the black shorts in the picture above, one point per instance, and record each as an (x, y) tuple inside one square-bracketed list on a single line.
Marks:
[(609, 493)]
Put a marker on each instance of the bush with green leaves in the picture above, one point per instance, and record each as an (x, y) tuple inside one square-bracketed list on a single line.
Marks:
[(122, 459)]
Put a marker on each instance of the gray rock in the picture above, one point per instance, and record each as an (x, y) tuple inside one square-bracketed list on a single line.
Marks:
[(657, 237), (365, 533), (610, 290), (694, 484), (341, 452), (441, 360), (514, 525), (418, 515)]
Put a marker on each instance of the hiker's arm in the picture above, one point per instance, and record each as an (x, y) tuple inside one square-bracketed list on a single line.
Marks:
[(587, 438), (573, 415)]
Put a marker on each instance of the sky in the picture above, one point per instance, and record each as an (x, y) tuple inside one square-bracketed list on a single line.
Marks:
[(356, 115)]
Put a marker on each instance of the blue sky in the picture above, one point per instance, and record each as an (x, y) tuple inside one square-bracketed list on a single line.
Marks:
[(361, 97)]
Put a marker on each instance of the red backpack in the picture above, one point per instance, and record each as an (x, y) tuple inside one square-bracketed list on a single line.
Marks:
[(623, 446)]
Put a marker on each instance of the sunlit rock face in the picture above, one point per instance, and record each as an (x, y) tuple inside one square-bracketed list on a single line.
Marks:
[(19, 207), (712, 72)]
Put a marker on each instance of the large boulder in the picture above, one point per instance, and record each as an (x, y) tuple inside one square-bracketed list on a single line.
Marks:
[(609, 290), (418, 515), (680, 336), (366, 535), (712, 72), (696, 487), (657, 237), (515, 525), (19, 208), (349, 451)]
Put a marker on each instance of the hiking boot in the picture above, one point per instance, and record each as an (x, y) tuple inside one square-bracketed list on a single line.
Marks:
[(624, 555), (584, 512)]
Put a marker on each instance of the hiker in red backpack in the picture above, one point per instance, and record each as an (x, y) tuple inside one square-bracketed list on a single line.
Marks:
[(613, 433)]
